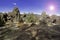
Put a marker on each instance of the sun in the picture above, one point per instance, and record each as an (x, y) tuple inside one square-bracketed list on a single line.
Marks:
[(51, 7)]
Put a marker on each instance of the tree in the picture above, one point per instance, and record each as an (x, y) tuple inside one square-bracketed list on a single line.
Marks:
[(31, 18), (43, 18)]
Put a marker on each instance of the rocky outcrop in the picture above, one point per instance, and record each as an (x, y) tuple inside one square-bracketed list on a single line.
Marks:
[(14, 15)]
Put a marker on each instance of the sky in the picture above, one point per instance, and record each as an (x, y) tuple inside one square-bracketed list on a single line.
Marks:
[(36, 6)]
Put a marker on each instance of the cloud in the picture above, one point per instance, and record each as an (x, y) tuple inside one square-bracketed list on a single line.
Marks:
[(14, 3)]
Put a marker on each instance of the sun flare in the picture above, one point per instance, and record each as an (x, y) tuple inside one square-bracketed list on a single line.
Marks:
[(51, 7)]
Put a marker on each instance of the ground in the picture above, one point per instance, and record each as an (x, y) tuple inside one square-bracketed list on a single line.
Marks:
[(33, 32)]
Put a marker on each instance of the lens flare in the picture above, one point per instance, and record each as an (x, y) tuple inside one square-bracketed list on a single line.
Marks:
[(51, 7)]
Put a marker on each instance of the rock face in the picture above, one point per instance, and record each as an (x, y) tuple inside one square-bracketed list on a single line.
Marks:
[(14, 15), (55, 19)]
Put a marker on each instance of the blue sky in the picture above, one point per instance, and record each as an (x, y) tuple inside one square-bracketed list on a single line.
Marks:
[(36, 6)]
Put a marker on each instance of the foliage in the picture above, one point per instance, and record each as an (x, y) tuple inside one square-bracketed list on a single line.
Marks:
[(31, 18), (44, 19)]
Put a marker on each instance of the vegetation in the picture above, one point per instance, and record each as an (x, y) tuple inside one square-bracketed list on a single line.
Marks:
[(31, 18), (32, 32)]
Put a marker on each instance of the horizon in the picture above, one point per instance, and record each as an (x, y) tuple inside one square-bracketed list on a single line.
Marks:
[(31, 13)]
